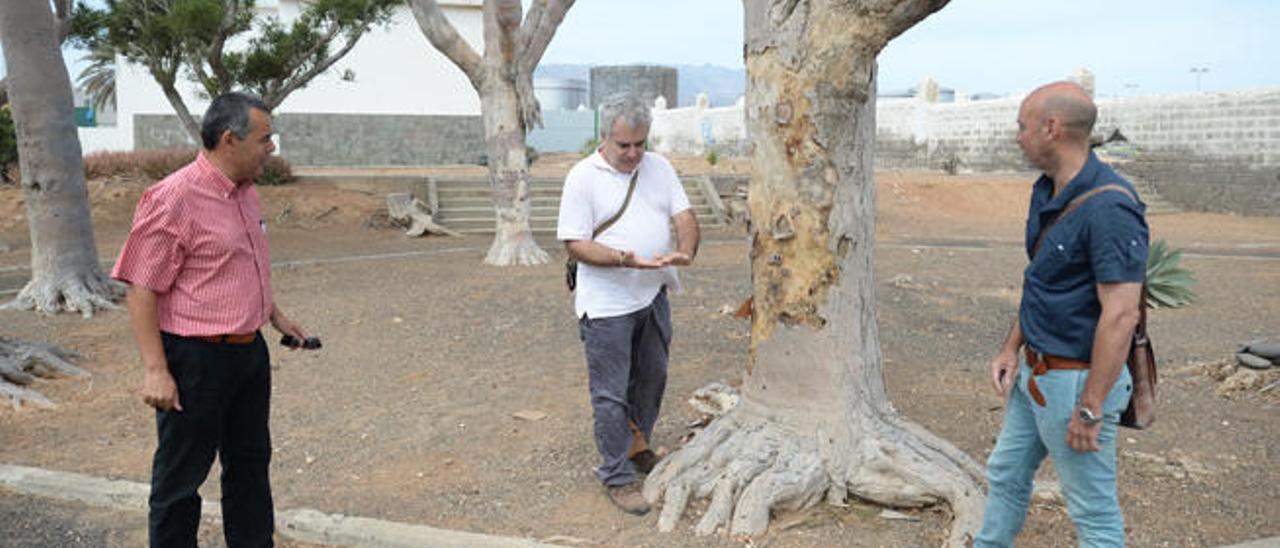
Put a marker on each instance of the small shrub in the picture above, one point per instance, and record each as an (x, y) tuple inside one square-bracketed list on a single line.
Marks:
[(712, 157), (951, 164), (531, 155), (8, 144), (149, 164), (276, 172), (589, 147), (158, 164)]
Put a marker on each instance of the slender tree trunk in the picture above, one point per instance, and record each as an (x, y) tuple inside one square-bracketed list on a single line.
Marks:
[(815, 420), (65, 271), (503, 79), (188, 121), (504, 134)]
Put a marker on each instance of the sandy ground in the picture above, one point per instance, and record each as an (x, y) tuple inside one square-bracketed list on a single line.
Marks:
[(406, 414)]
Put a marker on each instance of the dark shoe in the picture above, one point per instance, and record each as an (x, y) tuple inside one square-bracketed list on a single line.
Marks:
[(628, 498), (644, 461)]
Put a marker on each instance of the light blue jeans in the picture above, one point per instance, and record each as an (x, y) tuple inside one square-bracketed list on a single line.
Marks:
[(1031, 432)]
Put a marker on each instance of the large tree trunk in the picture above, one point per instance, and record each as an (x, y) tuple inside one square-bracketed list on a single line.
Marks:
[(815, 421), (65, 271), (504, 134)]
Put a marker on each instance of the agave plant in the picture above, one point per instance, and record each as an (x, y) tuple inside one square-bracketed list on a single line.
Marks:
[(1168, 285)]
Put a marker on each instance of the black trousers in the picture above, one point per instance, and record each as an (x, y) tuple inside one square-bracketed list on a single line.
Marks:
[(225, 392)]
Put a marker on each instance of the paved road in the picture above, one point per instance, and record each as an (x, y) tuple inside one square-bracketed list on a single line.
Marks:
[(38, 522)]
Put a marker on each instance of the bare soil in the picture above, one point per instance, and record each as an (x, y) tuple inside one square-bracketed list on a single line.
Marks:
[(406, 414)]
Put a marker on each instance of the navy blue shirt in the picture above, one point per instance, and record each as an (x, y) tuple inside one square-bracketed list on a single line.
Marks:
[(1103, 240)]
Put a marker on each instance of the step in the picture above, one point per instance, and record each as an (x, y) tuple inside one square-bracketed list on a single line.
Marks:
[(553, 206)]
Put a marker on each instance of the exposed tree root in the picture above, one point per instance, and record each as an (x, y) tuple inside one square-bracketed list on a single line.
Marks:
[(516, 249), (85, 294), (22, 364), (750, 464)]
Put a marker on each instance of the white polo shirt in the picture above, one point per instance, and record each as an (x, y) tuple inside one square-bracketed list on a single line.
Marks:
[(593, 192)]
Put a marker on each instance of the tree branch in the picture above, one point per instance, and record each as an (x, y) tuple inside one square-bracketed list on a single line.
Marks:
[(62, 12), (541, 35), (532, 20), (903, 14), (167, 79), (293, 84), (442, 34), (500, 37), (209, 84), (220, 72)]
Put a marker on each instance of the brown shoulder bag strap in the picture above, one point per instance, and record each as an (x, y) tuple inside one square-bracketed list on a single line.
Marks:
[(1074, 204), (608, 223)]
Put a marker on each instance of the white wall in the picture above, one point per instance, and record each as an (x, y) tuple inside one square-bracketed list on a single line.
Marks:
[(397, 71), (1234, 126), (699, 129)]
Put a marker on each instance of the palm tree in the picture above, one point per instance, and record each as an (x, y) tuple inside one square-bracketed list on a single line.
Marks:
[(98, 80)]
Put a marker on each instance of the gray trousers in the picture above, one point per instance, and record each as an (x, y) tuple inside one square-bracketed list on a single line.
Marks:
[(627, 368)]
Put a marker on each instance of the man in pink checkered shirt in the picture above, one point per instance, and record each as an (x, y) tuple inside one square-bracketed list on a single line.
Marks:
[(199, 276)]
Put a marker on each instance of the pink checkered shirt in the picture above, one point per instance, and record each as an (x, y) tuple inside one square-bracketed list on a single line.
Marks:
[(198, 241)]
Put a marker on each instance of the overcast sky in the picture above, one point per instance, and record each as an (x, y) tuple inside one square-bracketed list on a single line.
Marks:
[(1132, 46)]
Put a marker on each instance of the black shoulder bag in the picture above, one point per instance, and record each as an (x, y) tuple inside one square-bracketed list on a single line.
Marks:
[(571, 264)]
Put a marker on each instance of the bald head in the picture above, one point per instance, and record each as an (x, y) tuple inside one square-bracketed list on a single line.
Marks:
[(1069, 103)]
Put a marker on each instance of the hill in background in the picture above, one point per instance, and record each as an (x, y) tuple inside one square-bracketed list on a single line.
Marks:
[(722, 85)]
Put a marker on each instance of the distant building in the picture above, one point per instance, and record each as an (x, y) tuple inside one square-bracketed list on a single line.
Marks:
[(393, 77)]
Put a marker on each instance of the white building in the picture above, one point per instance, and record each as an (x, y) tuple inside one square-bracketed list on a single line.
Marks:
[(392, 70)]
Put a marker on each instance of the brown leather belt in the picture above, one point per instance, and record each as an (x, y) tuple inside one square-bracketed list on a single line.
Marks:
[(1040, 364), (234, 338)]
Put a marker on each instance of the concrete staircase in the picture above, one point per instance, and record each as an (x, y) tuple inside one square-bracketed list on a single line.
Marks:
[(466, 204), (1147, 191)]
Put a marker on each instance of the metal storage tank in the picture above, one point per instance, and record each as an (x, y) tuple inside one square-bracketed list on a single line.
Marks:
[(646, 81), (560, 93)]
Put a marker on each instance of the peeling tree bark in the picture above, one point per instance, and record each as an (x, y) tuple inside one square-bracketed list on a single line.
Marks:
[(503, 77), (65, 273), (815, 420)]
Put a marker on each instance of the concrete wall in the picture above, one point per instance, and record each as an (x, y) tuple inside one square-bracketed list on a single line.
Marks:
[(308, 139), (646, 81), (699, 129), (1203, 151)]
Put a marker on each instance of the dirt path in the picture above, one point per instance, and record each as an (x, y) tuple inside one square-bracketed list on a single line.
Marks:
[(406, 414)]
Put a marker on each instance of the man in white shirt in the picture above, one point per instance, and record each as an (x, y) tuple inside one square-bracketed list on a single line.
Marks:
[(623, 275)]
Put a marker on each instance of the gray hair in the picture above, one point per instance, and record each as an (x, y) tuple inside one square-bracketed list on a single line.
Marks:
[(626, 107), (229, 111)]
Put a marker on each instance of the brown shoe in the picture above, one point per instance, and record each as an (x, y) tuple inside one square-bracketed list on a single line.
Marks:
[(628, 498), (644, 461)]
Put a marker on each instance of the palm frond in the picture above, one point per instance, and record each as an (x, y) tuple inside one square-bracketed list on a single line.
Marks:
[(98, 79)]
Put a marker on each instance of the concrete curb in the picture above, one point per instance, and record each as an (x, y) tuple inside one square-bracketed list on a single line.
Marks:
[(304, 524)]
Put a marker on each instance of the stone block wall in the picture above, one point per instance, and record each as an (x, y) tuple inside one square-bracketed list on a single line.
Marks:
[(308, 139)]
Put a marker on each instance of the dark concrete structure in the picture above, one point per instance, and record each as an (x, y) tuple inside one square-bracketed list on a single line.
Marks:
[(349, 139), (646, 81)]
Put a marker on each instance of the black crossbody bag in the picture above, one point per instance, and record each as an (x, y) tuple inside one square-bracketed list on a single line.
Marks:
[(571, 264)]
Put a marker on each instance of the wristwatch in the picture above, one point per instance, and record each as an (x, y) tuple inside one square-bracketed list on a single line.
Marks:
[(1087, 416)]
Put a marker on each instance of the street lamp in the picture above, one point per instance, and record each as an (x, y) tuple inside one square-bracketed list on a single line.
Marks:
[(1199, 71)]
